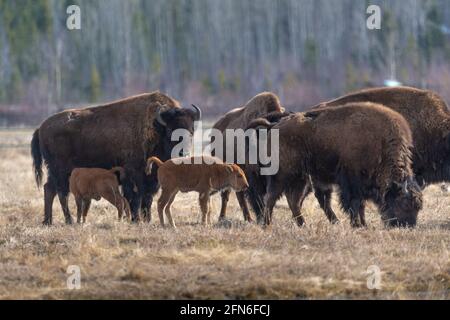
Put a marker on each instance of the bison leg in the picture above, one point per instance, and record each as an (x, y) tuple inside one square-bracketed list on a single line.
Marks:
[(168, 212), (362, 214), (151, 188), (204, 206), (243, 204), (323, 195), (86, 206), (49, 196), (255, 194), (79, 202), (225, 195), (113, 196), (131, 193), (351, 197), (274, 192), (353, 208), (63, 197), (208, 220), (162, 202), (127, 208), (295, 200)]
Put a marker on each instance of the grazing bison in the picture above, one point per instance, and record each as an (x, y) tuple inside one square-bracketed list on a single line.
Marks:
[(96, 183), (240, 118), (363, 148), (206, 177), (429, 120), (122, 133)]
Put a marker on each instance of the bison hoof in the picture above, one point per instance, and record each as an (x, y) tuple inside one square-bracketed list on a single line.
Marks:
[(134, 220), (356, 225), (47, 223)]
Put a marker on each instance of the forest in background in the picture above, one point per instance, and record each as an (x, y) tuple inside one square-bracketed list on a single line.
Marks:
[(214, 53)]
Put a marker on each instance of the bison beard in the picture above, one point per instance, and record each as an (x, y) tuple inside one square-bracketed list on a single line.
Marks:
[(332, 146), (122, 133)]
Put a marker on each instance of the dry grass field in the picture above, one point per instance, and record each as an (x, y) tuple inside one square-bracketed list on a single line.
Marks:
[(232, 261)]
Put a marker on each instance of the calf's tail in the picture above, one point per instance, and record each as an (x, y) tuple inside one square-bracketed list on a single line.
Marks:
[(37, 158), (150, 162)]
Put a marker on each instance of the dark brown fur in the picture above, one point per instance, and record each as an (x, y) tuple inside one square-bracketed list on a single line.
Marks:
[(363, 148), (124, 132), (95, 183), (239, 118), (429, 119), (203, 178)]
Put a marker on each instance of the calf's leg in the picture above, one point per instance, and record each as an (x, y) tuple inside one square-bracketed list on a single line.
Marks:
[(168, 212), (225, 195), (204, 205), (86, 206), (79, 202), (113, 196), (162, 202)]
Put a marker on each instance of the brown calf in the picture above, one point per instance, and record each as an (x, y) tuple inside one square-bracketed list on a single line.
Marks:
[(95, 183), (211, 175)]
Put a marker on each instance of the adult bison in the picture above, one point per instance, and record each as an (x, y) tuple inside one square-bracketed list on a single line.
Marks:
[(363, 148), (121, 133), (239, 118), (429, 120)]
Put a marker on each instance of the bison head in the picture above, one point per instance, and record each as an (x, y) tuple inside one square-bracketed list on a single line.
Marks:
[(402, 204), (238, 181), (167, 120)]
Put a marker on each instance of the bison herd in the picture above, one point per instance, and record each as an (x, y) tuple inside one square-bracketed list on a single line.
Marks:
[(383, 144)]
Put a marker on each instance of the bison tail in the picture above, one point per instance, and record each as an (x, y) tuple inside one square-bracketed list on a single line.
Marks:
[(37, 158), (120, 172), (150, 162)]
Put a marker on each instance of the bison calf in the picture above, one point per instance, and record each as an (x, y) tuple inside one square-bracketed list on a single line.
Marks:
[(95, 183), (209, 176)]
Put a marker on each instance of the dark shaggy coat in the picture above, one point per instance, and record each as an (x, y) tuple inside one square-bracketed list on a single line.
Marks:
[(121, 133), (239, 118), (429, 119), (362, 148)]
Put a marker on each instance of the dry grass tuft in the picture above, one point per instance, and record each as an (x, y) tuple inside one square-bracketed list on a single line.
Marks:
[(232, 260)]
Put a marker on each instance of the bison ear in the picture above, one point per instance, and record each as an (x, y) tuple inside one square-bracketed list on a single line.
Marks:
[(230, 168)]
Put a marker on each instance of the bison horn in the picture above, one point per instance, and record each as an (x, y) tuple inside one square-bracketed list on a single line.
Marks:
[(158, 116), (405, 187), (198, 112)]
